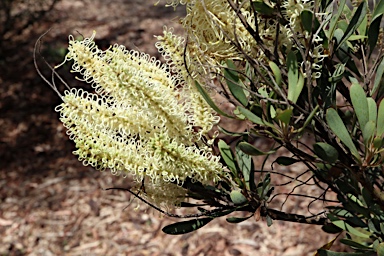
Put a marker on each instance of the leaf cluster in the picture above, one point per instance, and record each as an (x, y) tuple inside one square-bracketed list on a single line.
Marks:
[(335, 100)]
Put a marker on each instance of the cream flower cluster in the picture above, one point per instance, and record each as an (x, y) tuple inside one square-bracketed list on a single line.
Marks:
[(212, 27), (141, 121)]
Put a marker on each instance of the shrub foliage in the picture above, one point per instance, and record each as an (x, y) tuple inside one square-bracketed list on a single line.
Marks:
[(288, 67)]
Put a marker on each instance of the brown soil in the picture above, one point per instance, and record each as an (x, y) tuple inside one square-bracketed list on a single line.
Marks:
[(52, 205)]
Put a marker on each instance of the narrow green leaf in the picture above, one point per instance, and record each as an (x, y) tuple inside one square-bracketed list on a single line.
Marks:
[(276, 72), (299, 87), (374, 225), (285, 161), (226, 154), (245, 164), (342, 53), (185, 226), (355, 22), (335, 18), (345, 226), (380, 120), (250, 116), (326, 152), (309, 118), (210, 102), (356, 37), (360, 104), (238, 219), (338, 74), (379, 10), (232, 78), (362, 29), (306, 20), (354, 244), (251, 150), (338, 128), (379, 75), (372, 109), (226, 132), (378, 143), (293, 75), (368, 132), (373, 33), (331, 229)]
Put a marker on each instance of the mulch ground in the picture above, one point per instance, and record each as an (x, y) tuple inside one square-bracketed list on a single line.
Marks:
[(50, 204)]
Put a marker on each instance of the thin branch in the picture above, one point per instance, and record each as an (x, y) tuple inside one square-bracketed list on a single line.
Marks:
[(208, 213)]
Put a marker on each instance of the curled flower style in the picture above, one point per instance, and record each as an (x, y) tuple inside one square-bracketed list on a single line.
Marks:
[(213, 26), (179, 59), (141, 121)]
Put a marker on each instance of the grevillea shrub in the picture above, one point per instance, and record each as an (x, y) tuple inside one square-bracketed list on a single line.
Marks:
[(288, 67)]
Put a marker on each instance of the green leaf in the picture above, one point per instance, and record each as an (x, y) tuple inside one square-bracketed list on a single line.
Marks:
[(354, 244), (355, 22), (372, 109), (226, 132), (295, 78), (338, 74), (379, 75), (269, 221), (285, 161), (276, 72), (380, 249), (284, 115), (238, 219), (378, 143), (331, 229), (379, 10), (263, 9), (306, 20), (232, 79), (338, 128), (309, 118), (250, 116), (368, 132), (237, 197), (373, 33), (356, 37), (345, 226), (380, 120), (360, 104), (185, 226), (362, 29), (335, 18), (245, 164), (326, 152), (299, 87), (251, 150), (210, 102), (226, 154)]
